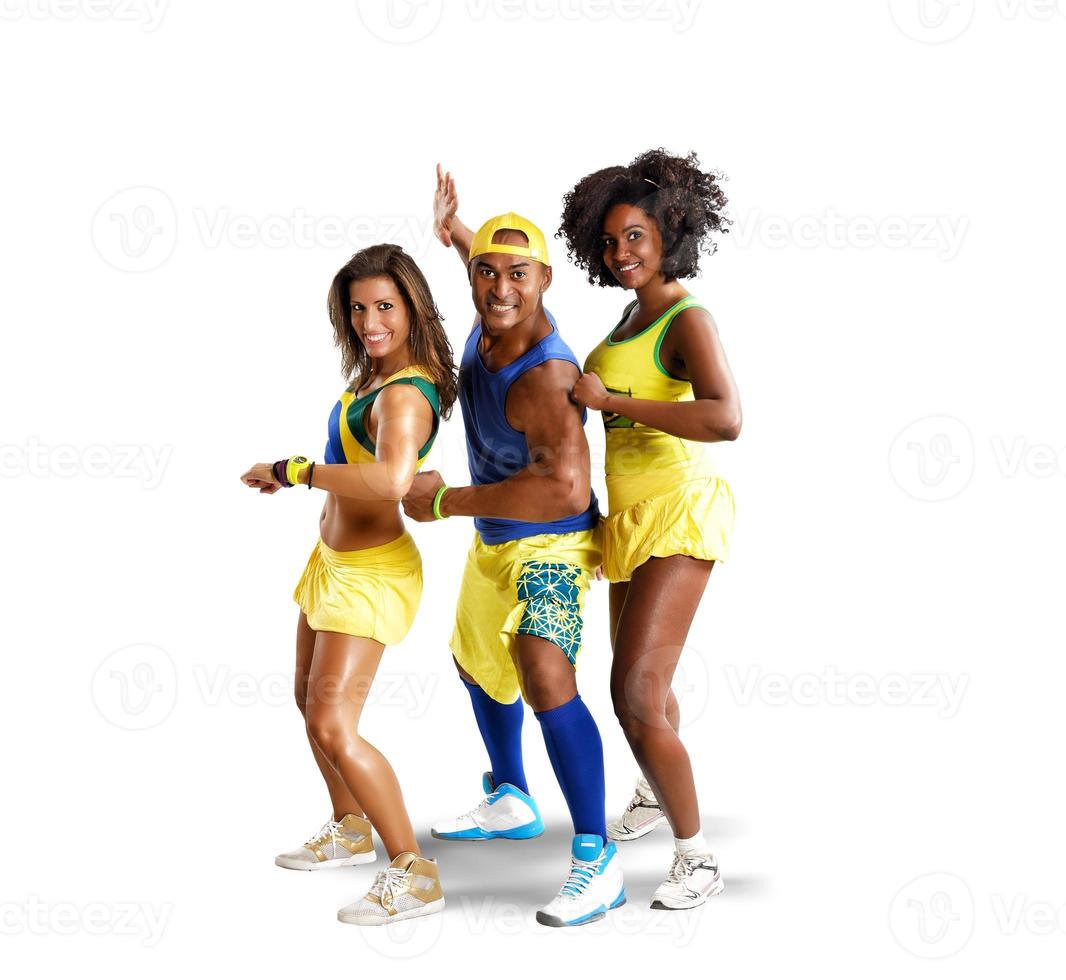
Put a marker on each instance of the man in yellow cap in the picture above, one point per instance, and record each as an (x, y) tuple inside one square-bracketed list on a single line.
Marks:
[(519, 617)]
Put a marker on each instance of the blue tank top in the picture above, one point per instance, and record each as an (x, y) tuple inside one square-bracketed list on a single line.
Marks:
[(495, 450)]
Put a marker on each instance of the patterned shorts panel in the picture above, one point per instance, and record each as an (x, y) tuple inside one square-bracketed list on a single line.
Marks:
[(551, 593)]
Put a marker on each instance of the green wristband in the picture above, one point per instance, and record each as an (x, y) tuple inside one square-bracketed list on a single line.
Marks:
[(436, 503)]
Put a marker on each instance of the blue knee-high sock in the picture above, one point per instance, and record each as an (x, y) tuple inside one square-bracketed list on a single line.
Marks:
[(576, 754), (501, 731)]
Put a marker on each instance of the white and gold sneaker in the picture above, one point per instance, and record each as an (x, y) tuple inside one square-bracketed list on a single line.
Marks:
[(407, 888), (337, 845), (691, 880), (641, 816)]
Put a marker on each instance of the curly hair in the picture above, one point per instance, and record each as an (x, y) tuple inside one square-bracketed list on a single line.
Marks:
[(686, 202), (429, 343)]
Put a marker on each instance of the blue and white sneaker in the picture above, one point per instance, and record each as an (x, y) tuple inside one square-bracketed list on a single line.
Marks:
[(506, 813), (593, 888)]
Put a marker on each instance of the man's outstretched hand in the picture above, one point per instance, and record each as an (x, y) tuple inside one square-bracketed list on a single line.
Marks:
[(445, 205)]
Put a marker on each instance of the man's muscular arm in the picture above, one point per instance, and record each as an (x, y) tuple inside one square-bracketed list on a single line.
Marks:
[(556, 483)]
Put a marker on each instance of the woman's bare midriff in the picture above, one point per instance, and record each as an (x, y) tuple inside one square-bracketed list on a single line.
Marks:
[(352, 525)]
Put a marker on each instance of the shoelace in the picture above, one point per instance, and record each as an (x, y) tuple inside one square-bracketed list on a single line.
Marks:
[(387, 883), (329, 829), (579, 879), (683, 866), (639, 801), (488, 801)]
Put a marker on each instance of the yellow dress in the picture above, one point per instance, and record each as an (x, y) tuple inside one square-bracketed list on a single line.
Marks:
[(664, 495)]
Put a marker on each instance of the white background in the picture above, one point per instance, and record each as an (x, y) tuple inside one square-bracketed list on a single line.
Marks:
[(872, 694)]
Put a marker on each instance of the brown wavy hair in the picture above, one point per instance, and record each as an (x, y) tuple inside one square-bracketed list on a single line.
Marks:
[(429, 343)]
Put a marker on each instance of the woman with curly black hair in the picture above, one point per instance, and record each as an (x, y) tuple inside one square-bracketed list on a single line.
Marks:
[(662, 382)]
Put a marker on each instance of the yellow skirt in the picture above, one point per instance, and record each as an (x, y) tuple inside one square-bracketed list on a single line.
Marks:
[(693, 518), (373, 592)]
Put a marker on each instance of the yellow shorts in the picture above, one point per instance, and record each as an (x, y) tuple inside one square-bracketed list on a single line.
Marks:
[(694, 518), (533, 585), (373, 592)]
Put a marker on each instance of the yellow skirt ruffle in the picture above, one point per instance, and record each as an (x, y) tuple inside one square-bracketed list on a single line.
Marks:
[(694, 518), (373, 592)]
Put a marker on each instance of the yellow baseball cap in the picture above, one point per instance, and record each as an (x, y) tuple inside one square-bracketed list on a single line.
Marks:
[(482, 243)]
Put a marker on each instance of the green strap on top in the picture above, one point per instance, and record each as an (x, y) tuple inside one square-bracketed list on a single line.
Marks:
[(358, 408), (685, 304)]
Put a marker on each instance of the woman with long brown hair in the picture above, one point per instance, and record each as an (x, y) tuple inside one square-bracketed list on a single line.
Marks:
[(363, 582)]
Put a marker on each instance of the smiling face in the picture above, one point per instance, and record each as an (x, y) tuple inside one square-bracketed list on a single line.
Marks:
[(632, 245), (379, 315), (507, 288)]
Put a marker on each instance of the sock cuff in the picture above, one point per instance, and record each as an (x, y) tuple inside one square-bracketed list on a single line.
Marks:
[(561, 711), (696, 844), (477, 691)]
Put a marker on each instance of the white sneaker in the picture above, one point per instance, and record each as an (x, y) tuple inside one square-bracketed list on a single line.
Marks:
[(593, 888), (692, 879), (641, 816), (505, 813), (336, 845), (406, 889)]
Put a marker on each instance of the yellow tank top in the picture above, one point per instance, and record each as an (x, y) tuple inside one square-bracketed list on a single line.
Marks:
[(641, 461), (349, 442)]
